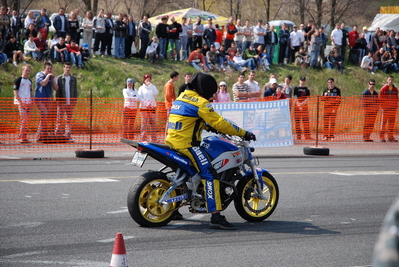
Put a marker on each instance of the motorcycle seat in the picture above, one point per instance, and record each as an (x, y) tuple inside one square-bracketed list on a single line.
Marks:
[(170, 148)]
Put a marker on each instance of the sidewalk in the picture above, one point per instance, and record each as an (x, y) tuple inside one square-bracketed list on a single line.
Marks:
[(336, 149)]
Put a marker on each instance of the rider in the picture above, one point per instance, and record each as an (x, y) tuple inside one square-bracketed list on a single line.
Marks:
[(188, 117)]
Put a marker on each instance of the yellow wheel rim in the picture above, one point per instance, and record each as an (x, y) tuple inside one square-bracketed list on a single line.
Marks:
[(148, 201), (259, 206)]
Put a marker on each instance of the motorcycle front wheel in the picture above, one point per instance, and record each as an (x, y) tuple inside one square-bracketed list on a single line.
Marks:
[(252, 207), (142, 200)]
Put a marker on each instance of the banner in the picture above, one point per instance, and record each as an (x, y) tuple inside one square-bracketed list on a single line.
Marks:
[(270, 121)]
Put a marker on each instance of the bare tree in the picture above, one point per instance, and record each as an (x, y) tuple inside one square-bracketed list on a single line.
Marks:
[(319, 12), (112, 5)]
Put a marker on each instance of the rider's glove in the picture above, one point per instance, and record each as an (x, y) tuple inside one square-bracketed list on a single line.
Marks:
[(249, 136)]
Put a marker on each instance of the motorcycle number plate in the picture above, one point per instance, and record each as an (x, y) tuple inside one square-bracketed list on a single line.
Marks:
[(139, 158)]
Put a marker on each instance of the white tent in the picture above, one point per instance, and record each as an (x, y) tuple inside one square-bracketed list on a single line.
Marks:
[(385, 22), (278, 23)]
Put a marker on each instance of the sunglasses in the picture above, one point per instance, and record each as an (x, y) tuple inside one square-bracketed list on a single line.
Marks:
[(372, 83), (222, 85)]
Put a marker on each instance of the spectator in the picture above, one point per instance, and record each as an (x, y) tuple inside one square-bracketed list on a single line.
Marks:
[(249, 63), (45, 82), (209, 33), (66, 96), (388, 65), (31, 30), (389, 105), (60, 23), (183, 87), (31, 49), (259, 34), (301, 58), (184, 38), (85, 53), (241, 90), (3, 55), (75, 55), (262, 58), (238, 36), (287, 89), (50, 44), (41, 44), (130, 94), (99, 24), (338, 61), (378, 58), (109, 32), (368, 63), (22, 98), (190, 31), (222, 95), (296, 39), (231, 30), (87, 24), (251, 52), (361, 47), (271, 40), (16, 24), (169, 91), (219, 36), (301, 110), (198, 31), (336, 38), (353, 36), (212, 59), (153, 51), (253, 85), (148, 104), (43, 23), (30, 19), (246, 34), (162, 31), (120, 36), (61, 51), (315, 45), (271, 88), (284, 41), (197, 60), (174, 39), (223, 58), (331, 97), (12, 51), (144, 30), (280, 93), (345, 36), (370, 105), (130, 36)]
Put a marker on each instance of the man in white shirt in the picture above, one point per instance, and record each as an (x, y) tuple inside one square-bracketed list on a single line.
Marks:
[(254, 88), (296, 38), (336, 38), (259, 34)]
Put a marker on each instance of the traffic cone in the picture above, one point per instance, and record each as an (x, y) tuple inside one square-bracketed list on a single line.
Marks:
[(119, 258)]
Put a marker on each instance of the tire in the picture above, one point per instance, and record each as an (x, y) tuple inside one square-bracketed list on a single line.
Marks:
[(87, 153), (252, 208), (320, 151), (142, 200)]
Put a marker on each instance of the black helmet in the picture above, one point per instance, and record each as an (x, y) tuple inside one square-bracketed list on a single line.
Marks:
[(204, 84)]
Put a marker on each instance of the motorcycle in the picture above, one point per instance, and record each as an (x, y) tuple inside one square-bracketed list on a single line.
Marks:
[(156, 195)]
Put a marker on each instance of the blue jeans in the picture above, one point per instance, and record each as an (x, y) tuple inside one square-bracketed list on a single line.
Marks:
[(195, 65), (33, 54), (183, 42), (328, 65), (249, 63), (75, 59), (314, 55), (163, 46), (119, 47), (65, 54), (245, 45), (175, 44), (3, 58), (270, 52)]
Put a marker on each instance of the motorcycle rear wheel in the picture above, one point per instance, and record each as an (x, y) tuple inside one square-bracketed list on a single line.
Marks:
[(142, 200), (251, 207)]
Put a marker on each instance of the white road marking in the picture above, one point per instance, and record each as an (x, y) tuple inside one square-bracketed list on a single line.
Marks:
[(113, 239), (366, 173), (12, 256), (118, 211), (22, 224), (56, 263), (68, 181)]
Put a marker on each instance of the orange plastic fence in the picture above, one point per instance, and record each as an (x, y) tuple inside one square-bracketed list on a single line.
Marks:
[(102, 124)]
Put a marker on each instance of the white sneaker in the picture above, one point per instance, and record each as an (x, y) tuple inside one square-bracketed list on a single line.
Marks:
[(267, 67), (15, 63), (372, 72)]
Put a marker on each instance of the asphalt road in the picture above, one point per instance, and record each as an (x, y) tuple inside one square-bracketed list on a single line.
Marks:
[(67, 212)]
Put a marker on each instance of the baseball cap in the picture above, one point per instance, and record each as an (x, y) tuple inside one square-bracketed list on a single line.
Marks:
[(130, 80), (365, 28), (272, 81), (260, 20), (85, 46), (212, 46), (303, 78), (222, 83)]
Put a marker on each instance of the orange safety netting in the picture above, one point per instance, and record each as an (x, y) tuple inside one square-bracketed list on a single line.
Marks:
[(102, 122)]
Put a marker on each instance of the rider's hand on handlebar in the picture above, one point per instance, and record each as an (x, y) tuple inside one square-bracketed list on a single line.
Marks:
[(249, 136)]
